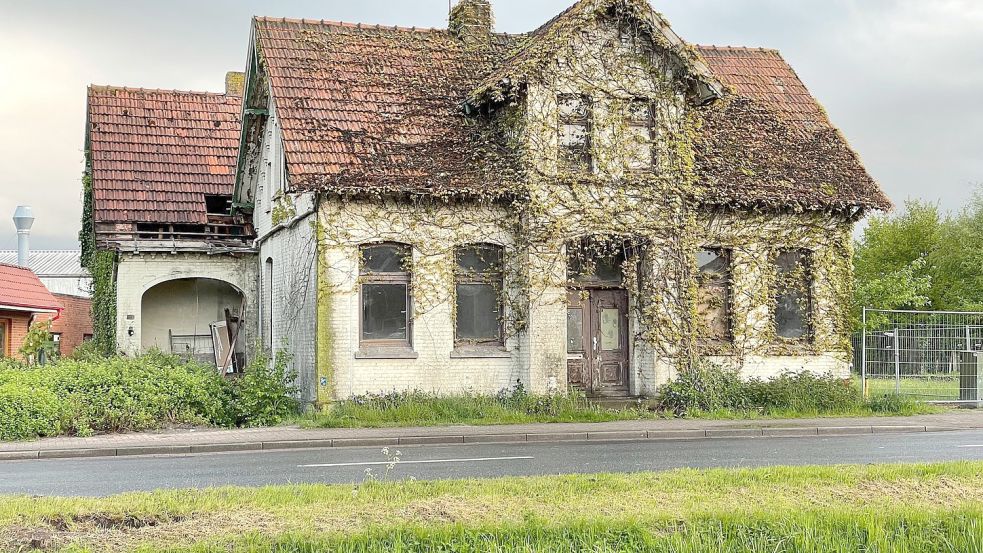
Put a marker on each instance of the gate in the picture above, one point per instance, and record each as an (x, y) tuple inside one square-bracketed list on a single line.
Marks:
[(932, 356)]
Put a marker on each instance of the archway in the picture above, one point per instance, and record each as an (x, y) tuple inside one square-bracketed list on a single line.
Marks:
[(186, 316)]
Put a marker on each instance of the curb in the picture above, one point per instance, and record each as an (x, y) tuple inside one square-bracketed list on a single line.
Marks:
[(546, 437)]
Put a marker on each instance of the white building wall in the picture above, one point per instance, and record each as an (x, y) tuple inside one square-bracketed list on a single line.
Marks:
[(137, 273)]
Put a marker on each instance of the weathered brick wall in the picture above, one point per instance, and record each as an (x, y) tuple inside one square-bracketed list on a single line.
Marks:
[(138, 273)]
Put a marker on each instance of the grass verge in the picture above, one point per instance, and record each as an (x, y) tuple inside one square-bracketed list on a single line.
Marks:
[(856, 508)]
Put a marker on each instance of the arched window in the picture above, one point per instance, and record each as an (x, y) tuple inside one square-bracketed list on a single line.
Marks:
[(385, 295), (479, 282)]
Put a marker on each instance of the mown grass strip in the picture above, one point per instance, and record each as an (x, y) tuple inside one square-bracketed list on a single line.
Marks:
[(856, 508)]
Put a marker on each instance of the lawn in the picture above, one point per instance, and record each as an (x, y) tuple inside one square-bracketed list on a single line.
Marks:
[(885, 508), (943, 388)]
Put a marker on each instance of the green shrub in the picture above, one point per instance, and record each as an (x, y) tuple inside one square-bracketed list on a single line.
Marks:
[(706, 388), (721, 392), (28, 413), (266, 392)]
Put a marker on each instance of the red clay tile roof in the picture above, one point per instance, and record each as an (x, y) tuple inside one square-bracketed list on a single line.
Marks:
[(155, 154), (381, 107), (369, 106), (20, 288), (770, 142)]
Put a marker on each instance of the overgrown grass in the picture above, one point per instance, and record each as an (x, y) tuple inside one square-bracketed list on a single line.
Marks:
[(885, 508), (512, 406)]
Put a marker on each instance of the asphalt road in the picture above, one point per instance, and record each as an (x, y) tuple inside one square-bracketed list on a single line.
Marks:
[(111, 475)]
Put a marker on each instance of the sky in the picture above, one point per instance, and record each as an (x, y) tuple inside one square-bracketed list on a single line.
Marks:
[(900, 78)]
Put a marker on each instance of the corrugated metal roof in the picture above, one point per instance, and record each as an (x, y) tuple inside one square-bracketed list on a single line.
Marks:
[(64, 263)]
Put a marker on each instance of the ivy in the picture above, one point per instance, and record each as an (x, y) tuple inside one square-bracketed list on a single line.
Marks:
[(102, 267)]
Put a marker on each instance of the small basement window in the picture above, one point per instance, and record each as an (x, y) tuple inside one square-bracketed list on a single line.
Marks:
[(218, 205)]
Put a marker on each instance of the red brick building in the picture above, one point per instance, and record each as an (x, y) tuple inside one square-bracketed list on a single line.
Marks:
[(23, 300), (74, 325)]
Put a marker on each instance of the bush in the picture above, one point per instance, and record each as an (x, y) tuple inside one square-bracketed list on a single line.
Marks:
[(265, 394), (88, 393), (28, 413), (709, 388), (705, 388)]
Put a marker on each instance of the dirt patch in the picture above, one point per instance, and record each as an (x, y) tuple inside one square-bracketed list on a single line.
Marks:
[(106, 521)]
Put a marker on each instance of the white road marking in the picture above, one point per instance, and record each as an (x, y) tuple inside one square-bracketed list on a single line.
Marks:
[(424, 462)]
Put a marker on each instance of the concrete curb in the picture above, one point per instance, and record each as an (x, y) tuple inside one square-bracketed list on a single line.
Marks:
[(450, 439)]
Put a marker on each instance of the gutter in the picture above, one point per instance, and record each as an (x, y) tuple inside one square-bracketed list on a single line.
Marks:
[(289, 224)]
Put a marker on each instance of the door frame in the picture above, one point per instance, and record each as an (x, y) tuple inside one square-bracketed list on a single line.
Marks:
[(591, 386)]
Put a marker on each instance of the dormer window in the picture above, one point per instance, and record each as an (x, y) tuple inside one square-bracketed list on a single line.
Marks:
[(574, 153), (640, 134)]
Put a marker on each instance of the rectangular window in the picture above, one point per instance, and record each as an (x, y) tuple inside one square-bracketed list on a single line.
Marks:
[(575, 133), (713, 296), (56, 338), (479, 284), (640, 139), (793, 295), (385, 295)]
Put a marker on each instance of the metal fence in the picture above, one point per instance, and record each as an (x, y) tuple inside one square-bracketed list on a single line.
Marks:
[(931, 356)]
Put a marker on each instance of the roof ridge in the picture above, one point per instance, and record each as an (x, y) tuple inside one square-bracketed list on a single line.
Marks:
[(346, 24), (737, 48), (109, 87)]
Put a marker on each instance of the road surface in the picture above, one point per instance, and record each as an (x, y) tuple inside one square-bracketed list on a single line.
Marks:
[(111, 475)]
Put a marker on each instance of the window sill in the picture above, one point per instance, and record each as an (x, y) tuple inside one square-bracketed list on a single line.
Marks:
[(386, 353), (480, 352)]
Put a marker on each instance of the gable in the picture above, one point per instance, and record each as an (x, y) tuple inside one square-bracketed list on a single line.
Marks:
[(537, 52)]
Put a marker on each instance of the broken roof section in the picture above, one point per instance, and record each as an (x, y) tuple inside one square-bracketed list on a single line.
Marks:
[(22, 290), (156, 156)]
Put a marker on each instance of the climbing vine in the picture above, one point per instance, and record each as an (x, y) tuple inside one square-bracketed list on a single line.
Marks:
[(102, 267)]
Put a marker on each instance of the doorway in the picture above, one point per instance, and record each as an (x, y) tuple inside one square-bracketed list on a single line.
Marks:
[(597, 342)]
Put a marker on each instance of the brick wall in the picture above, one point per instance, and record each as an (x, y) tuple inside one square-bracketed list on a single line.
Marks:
[(18, 323), (75, 322)]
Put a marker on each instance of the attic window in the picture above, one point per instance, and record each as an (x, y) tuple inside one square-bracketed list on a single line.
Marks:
[(574, 133), (640, 135), (218, 205)]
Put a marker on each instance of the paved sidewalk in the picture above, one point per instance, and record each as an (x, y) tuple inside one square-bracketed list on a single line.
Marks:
[(288, 437)]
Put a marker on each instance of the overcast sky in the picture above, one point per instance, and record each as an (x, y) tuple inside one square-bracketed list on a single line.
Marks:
[(901, 78)]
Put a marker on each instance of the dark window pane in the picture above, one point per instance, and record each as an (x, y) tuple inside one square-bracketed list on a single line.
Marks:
[(793, 294), (478, 312), (386, 258), (575, 330), (479, 259), (384, 312), (600, 268), (712, 262)]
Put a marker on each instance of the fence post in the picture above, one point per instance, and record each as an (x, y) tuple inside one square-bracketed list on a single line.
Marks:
[(897, 361), (863, 355)]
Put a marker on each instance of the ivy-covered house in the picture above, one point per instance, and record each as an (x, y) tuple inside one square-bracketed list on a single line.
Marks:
[(596, 204), (172, 267)]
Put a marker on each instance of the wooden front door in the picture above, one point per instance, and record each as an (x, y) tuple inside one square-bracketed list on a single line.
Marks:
[(597, 342)]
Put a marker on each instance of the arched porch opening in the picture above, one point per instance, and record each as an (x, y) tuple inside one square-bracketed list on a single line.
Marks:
[(195, 318)]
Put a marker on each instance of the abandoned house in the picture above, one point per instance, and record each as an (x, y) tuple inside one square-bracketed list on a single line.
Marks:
[(595, 205), (172, 268)]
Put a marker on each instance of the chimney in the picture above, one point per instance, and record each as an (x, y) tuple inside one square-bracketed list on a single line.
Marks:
[(235, 82), (471, 21), (23, 220)]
